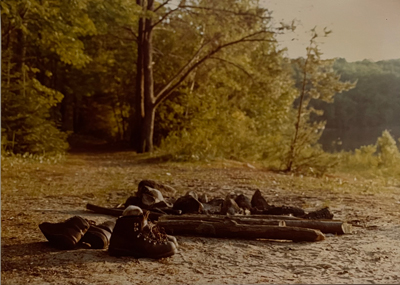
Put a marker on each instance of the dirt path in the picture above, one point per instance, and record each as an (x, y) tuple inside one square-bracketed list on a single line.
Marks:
[(33, 193)]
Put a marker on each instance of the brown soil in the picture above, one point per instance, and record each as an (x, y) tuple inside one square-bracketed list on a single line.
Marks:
[(37, 192)]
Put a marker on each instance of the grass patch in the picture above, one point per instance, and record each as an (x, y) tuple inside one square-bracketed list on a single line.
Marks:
[(110, 176)]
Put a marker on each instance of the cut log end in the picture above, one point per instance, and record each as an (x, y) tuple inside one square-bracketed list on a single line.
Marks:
[(347, 228)]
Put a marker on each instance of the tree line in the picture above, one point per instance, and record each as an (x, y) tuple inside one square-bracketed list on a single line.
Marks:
[(375, 102), (199, 79)]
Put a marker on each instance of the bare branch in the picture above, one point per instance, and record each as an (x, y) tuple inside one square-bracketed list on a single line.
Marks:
[(161, 5), (189, 67), (166, 14), (234, 64), (164, 17), (158, 51), (129, 29), (181, 71)]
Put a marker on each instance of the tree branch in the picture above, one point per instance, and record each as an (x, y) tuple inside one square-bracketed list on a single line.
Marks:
[(161, 5), (181, 71), (164, 17), (186, 70), (234, 64), (129, 29), (166, 14), (227, 11)]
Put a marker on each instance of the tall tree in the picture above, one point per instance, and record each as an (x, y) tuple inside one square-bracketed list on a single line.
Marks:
[(36, 35), (238, 106), (219, 26), (97, 96)]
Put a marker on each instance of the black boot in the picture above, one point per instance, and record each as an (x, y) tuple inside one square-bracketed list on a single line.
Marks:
[(98, 236), (156, 231), (133, 237), (67, 234)]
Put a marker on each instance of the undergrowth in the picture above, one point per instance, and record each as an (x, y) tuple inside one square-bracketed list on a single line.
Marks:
[(11, 160), (378, 161), (369, 169)]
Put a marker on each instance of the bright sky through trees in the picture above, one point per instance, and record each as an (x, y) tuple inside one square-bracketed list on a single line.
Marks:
[(362, 29)]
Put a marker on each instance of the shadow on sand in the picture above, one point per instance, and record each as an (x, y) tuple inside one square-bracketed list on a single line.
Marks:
[(43, 255)]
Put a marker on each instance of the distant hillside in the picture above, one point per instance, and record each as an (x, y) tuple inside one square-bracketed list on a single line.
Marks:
[(360, 115)]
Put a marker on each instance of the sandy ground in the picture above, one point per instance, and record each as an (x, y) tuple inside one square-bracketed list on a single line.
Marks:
[(371, 254)]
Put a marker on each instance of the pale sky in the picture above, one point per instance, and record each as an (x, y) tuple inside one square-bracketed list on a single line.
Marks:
[(361, 29)]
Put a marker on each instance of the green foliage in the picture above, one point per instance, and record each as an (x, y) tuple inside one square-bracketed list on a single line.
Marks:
[(65, 66), (317, 82), (389, 154), (25, 112), (71, 66), (225, 136), (380, 159), (36, 34), (374, 102), (364, 157), (222, 109), (98, 98), (235, 106), (243, 109)]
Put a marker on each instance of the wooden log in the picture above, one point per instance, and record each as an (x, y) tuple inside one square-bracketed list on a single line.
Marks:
[(325, 226), (222, 219), (273, 217), (232, 229)]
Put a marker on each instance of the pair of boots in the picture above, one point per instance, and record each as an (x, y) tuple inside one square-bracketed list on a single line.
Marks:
[(67, 234), (135, 236), (131, 235)]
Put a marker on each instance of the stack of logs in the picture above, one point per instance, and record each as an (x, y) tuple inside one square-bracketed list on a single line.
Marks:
[(252, 227), (260, 224)]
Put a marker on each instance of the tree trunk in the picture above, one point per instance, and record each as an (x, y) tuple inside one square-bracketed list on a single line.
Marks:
[(67, 111), (147, 130), (149, 106), (20, 52), (137, 106), (145, 102), (144, 107)]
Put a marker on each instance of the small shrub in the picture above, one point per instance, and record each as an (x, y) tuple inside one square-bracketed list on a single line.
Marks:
[(379, 160), (388, 153)]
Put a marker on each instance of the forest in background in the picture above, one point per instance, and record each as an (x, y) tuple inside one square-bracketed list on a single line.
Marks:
[(360, 115), (198, 79)]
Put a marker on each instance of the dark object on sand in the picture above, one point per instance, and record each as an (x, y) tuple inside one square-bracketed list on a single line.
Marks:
[(322, 214), (259, 202)]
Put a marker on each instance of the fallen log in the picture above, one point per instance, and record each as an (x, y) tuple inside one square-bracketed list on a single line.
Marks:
[(232, 229), (273, 217), (222, 219), (325, 226)]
